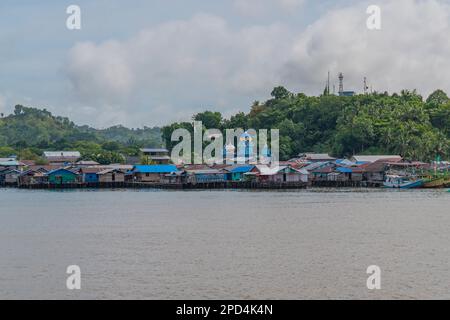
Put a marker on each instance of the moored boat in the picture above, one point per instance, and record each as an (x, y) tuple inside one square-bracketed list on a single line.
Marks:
[(434, 183), (447, 182), (401, 182)]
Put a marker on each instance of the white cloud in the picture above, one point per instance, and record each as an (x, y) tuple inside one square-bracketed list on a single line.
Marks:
[(198, 61), (409, 52), (181, 67), (100, 71)]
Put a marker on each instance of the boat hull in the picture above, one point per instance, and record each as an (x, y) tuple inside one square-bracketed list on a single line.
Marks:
[(435, 183), (447, 183), (404, 185)]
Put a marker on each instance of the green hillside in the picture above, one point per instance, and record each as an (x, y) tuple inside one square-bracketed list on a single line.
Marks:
[(376, 123), (29, 131)]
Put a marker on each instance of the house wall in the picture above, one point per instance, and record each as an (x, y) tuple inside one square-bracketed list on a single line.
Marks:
[(237, 176), (27, 180), (119, 177), (62, 177), (320, 176), (295, 177), (273, 178), (90, 178), (374, 176), (356, 177), (148, 177), (11, 178), (204, 178), (341, 177)]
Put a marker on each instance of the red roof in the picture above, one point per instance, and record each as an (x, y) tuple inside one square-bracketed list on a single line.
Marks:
[(28, 162)]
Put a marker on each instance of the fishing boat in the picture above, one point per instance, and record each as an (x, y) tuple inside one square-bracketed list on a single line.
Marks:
[(447, 182), (434, 183), (402, 182)]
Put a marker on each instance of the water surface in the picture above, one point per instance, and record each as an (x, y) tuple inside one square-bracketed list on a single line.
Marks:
[(308, 244)]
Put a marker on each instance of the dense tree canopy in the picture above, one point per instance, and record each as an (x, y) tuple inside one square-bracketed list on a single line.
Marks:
[(376, 123), (30, 131)]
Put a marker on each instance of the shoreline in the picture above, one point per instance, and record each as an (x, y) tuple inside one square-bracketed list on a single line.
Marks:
[(228, 185)]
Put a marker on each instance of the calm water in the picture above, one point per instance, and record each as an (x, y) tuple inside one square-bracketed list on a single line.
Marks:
[(224, 244)]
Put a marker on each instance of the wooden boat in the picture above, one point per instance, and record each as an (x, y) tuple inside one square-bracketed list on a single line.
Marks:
[(447, 182), (399, 182), (434, 183)]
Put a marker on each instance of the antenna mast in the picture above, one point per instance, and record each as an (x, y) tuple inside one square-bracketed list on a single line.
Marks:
[(328, 84), (341, 83)]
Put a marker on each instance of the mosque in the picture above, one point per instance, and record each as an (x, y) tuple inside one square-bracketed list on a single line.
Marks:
[(247, 151)]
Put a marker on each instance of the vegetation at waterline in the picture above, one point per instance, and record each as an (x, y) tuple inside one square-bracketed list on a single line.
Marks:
[(30, 131), (376, 123)]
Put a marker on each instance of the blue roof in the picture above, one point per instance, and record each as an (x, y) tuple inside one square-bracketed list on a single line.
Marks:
[(60, 169), (159, 168), (344, 170), (242, 169)]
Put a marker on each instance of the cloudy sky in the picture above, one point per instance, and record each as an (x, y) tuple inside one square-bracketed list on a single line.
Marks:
[(150, 62)]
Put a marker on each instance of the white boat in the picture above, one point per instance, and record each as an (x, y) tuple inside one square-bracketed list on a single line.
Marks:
[(401, 182)]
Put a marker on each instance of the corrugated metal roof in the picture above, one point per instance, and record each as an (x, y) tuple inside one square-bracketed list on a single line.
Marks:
[(87, 163), (158, 150), (62, 154), (60, 169), (344, 170), (345, 162), (92, 169), (163, 168), (119, 166), (302, 171), (317, 165), (156, 158), (9, 163), (268, 171), (11, 171), (316, 156), (376, 158), (241, 169), (205, 171), (109, 171), (44, 167)]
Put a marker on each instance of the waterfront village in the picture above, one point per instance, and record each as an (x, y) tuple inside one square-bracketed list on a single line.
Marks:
[(66, 169)]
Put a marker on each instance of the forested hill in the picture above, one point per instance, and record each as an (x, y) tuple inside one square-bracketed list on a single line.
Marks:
[(29, 131), (376, 123)]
